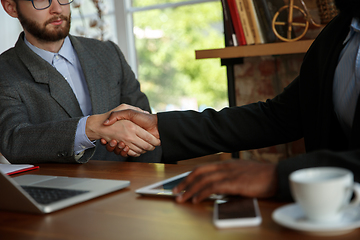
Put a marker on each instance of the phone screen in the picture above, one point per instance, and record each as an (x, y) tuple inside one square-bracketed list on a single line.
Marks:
[(237, 207)]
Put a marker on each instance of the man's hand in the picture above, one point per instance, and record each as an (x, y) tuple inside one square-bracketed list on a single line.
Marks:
[(236, 177), (144, 120), (136, 138), (125, 106)]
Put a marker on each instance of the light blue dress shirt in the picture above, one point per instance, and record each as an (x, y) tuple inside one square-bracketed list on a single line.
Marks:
[(67, 63), (346, 85)]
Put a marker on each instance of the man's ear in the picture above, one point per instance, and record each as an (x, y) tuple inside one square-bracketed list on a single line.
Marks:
[(10, 7)]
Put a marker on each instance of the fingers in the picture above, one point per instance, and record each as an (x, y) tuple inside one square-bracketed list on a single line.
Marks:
[(103, 141), (138, 138), (125, 151), (117, 116), (132, 154), (197, 173), (110, 146), (115, 147), (119, 149), (140, 146), (205, 193), (125, 106), (128, 134), (201, 186), (245, 178), (145, 121), (147, 138)]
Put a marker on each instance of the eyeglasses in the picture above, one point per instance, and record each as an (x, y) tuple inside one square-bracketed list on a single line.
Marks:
[(43, 4)]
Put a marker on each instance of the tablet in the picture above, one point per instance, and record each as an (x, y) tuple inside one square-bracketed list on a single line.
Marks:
[(163, 188)]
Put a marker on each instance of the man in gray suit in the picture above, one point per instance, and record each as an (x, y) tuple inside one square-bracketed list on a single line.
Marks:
[(56, 90)]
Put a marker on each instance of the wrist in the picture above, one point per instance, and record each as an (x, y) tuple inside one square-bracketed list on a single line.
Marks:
[(93, 124)]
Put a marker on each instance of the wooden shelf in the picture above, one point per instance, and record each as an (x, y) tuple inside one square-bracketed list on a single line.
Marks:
[(278, 48)]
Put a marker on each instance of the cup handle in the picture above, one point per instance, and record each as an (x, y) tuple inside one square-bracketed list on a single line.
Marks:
[(356, 200)]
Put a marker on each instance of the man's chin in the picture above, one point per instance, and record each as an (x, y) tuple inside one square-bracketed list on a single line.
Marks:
[(53, 33), (54, 37)]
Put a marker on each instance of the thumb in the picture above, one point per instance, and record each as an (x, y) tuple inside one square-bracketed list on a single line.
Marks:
[(116, 116)]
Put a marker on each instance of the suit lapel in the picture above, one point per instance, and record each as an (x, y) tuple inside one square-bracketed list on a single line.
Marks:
[(327, 56), (92, 70), (44, 73)]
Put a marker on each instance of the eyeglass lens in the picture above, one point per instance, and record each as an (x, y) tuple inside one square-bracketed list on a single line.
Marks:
[(42, 4)]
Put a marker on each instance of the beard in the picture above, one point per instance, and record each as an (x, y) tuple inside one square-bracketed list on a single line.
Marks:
[(40, 31), (349, 7)]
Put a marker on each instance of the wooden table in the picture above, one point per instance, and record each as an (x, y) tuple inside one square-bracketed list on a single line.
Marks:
[(126, 215)]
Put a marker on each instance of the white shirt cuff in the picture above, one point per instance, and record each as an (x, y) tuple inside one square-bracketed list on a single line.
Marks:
[(82, 142)]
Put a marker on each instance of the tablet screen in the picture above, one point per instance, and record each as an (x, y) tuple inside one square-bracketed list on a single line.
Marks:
[(164, 187), (170, 185)]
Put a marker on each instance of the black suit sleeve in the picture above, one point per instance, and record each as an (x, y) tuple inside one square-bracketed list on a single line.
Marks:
[(190, 134)]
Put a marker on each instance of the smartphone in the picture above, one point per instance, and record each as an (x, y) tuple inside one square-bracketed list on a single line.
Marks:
[(236, 211)]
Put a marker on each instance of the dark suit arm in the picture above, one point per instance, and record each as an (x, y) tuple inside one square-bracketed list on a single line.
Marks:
[(192, 134)]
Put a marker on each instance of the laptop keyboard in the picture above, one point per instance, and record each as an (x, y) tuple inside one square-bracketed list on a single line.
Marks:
[(44, 195)]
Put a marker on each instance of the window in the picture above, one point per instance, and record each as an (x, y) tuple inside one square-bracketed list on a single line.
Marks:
[(166, 35), (159, 39), (93, 19)]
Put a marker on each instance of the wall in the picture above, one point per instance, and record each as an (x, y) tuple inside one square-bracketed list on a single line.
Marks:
[(9, 30), (261, 78)]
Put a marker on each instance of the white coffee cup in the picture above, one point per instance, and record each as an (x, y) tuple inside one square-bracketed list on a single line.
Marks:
[(324, 193)]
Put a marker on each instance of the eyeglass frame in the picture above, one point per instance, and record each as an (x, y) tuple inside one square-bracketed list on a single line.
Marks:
[(50, 2)]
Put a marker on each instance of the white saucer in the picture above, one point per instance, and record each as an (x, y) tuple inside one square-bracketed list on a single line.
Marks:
[(292, 216)]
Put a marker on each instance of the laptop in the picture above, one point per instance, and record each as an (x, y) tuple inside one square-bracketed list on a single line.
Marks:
[(44, 194)]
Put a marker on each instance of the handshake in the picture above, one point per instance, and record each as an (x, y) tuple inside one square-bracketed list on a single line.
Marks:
[(125, 130), (130, 131)]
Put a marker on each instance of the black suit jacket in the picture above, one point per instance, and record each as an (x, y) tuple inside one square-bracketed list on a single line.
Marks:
[(303, 109)]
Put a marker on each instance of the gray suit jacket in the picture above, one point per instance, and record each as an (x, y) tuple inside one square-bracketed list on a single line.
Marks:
[(39, 112)]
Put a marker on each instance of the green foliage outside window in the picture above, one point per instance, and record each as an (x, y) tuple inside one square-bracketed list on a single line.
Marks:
[(166, 41)]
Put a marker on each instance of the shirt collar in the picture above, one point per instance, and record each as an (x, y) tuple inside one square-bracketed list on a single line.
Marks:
[(66, 51), (354, 28)]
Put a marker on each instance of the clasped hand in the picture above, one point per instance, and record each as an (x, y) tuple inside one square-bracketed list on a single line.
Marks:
[(126, 136), (147, 122)]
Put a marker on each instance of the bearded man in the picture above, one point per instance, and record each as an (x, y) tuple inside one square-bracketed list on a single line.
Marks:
[(321, 105), (57, 89)]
